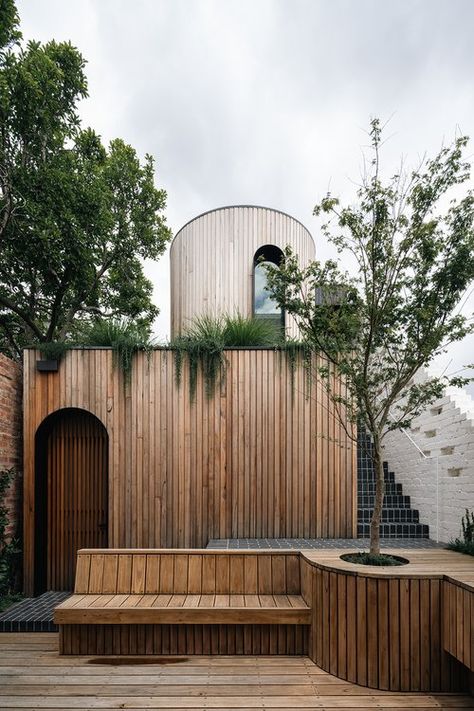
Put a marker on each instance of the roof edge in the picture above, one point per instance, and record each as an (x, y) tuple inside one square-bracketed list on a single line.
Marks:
[(230, 207)]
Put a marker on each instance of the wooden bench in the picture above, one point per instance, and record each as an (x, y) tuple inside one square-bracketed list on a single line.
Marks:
[(188, 602)]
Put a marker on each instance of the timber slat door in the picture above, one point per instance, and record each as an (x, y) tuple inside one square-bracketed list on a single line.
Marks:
[(77, 494)]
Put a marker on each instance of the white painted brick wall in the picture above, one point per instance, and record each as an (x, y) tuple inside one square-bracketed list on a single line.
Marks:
[(440, 507)]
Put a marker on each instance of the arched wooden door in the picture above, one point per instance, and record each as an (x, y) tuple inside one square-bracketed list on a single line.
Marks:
[(73, 463)]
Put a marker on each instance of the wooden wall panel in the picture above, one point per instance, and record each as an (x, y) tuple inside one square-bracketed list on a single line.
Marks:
[(259, 459), (183, 639), (458, 620), (211, 260)]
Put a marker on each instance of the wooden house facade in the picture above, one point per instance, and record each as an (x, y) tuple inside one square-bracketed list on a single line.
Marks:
[(145, 464)]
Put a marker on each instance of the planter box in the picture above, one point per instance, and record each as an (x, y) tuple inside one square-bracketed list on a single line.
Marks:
[(47, 366)]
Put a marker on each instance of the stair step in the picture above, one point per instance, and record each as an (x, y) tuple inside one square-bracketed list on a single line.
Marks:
[(368, 488), (390, 515), (369, 475), (391, 501), (395, 530)]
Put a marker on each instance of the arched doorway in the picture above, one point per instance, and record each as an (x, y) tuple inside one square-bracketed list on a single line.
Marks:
[(71, 494)]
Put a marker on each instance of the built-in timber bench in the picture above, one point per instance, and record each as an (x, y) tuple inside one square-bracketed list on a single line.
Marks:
[(407, 628), (185, 602)]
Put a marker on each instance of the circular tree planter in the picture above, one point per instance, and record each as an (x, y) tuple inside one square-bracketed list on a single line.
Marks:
[(364, 558)]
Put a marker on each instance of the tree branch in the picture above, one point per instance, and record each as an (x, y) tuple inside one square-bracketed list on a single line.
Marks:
[(11, 306)]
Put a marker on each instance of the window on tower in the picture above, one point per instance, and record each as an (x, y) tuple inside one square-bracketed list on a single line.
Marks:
[(264, 306)]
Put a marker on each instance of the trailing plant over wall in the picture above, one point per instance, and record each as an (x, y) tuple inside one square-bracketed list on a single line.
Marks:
[(123, 336), (203, 344), (298, 353)]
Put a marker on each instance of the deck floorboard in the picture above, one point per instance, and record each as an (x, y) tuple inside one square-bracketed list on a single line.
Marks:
[(34, 676)]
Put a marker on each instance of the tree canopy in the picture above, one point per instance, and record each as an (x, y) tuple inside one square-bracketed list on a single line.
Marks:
[(412, 242), (76, 217)]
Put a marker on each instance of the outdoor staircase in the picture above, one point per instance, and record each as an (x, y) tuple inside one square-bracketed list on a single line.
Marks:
[(399, 519)]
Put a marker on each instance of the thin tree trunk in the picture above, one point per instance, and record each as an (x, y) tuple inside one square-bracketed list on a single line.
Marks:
[(379, 494)]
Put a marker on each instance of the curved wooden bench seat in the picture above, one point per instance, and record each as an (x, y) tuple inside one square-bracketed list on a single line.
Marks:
[(184, 609)]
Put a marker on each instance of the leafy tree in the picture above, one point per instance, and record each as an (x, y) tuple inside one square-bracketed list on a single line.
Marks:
[(76, 218), (414, 256)]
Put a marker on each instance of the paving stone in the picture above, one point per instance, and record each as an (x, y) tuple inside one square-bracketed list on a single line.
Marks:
[(33, 614)]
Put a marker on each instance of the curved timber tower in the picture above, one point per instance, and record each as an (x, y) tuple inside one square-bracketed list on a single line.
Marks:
[(216, 268)]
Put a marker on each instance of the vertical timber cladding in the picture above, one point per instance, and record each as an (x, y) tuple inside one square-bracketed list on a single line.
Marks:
[(264, 457), (200, 254)]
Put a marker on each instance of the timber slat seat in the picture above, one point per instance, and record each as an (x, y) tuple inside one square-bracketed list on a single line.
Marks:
[(119, 589), (184, 609)]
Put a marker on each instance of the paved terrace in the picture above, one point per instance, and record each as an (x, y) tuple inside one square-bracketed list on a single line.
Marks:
[(33, 676), (356, 544)]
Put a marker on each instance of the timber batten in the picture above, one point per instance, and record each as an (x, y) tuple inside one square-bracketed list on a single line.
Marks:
[(264, 457)]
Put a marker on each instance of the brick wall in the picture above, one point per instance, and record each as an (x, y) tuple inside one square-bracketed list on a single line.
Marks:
[(445, 433), (11, 433)]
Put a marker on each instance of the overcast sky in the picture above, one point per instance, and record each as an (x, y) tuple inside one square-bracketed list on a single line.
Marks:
[(267, 102)]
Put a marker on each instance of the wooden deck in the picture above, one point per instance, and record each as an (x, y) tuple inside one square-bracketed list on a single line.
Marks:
[(34, 676)]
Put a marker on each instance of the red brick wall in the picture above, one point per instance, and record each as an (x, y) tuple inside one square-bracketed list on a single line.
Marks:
[(11, 434)]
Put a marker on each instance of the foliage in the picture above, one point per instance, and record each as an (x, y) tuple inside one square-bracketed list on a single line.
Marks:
[(241, 331), (9, 548), (202, 344), (205, 339), (53, 350), (364, 558), (414, 260), (76, 218), (467, 526), (462, 546), (123, 336), (298, 353), (466, 543)]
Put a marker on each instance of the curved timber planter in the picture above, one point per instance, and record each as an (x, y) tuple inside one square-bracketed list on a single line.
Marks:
[(380, 628)]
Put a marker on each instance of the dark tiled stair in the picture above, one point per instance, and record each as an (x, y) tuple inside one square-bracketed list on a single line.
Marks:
[(399, 520)]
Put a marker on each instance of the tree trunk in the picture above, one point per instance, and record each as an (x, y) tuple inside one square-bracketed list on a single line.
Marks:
[(379, 494)]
